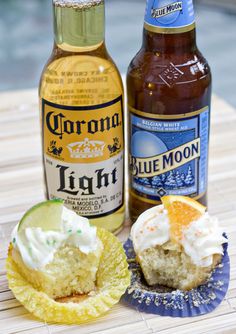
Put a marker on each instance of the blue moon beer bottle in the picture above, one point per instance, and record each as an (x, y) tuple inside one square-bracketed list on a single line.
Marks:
[(169, 95)]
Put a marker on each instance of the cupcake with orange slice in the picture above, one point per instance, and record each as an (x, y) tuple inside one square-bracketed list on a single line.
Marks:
[(176, 246)]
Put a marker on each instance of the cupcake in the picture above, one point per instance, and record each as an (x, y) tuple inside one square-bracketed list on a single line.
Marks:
[(61, 262), (63, 269), (177, 244)]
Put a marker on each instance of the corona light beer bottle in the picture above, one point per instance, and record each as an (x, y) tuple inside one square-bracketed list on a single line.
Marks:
[(81, 98), (169, 95)]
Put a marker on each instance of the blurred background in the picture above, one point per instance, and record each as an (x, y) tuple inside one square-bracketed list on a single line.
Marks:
[(26, 39)]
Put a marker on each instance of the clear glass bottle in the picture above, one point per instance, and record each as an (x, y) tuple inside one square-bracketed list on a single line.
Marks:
[(81, 103)]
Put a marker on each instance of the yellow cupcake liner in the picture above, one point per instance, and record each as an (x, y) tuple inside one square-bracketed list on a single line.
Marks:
[(113, 278)]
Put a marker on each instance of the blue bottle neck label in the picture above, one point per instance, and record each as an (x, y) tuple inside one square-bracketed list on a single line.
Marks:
[(169, 16)]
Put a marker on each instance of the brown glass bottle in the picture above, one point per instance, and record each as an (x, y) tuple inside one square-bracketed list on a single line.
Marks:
[(168, 81)]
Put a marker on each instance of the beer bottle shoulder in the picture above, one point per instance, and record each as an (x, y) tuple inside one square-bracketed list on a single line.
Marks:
[(168, 83), (148, 66), (83, 77)]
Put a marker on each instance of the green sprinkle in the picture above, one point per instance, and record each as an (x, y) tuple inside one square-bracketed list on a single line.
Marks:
[(69, 231), (14, 240), (54, 242), (48, 242), (79, 231)]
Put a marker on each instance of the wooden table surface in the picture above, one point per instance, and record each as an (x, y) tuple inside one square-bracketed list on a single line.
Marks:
[(21, 186)]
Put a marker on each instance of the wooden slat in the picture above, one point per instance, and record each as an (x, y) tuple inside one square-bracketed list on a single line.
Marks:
[(21, 181), (218, 325), (42, 330)]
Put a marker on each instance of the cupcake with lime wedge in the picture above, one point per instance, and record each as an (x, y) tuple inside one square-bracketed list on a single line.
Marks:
[(61, 268)]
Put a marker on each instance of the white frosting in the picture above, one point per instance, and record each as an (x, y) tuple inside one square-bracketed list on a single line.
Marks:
[(37, 247), (201, 240), (150, 229)]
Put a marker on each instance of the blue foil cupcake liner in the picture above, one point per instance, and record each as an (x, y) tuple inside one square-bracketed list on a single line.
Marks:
[(176, 303)]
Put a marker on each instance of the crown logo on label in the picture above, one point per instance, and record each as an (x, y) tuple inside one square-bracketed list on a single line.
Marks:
[(86, 149)]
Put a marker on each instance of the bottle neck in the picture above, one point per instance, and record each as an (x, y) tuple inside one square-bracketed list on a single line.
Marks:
[(79, 25), (169, 26), (169, 43)]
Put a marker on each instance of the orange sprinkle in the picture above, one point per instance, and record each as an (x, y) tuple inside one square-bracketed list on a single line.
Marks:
[(151, 218), (152, 229), (198, 233)]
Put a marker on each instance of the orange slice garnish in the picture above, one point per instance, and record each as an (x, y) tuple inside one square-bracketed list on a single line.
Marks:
[(182, 211)]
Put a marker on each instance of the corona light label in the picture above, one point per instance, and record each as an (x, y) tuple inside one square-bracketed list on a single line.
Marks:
[(168, 155), (84, 156)]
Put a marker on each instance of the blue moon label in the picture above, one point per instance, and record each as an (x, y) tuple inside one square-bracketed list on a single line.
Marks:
[(169, 14), (169, 156)]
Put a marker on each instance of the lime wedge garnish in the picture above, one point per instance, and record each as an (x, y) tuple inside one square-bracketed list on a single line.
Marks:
[(47, 215)]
